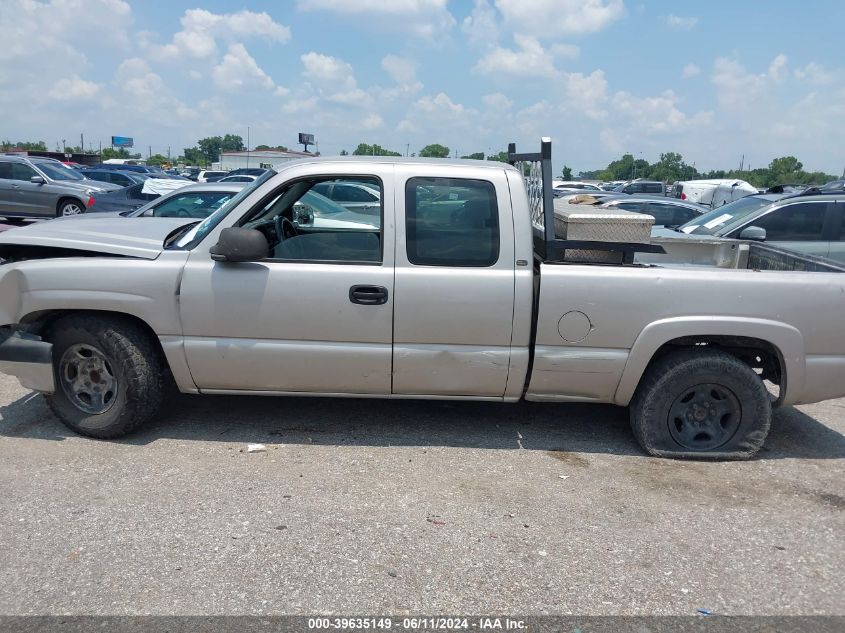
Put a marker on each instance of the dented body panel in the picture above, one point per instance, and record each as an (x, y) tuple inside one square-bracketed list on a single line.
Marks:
[(517, 328)]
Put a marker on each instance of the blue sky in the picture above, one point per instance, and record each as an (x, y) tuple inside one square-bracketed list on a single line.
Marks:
[(711, 80)]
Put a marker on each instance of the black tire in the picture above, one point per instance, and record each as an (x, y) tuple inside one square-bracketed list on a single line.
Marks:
[(69, 207), (701, 404), (129, 357)]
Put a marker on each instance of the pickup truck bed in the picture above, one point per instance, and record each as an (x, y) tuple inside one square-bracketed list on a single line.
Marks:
[(455, 289)]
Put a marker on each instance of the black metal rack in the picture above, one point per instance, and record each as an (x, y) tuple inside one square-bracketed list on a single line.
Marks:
[(536, 169)]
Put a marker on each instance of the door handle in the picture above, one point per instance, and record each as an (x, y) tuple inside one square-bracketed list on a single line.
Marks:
[(368, 295)]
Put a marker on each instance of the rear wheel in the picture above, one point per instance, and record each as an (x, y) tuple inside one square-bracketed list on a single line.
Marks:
[(68, 206), (703, 404), (108, 375)]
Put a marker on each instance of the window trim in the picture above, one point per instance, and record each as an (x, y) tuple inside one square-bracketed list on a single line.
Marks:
[(491, 184), (321, 178)]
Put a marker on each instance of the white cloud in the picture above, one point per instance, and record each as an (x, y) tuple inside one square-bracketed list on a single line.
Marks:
[(401, 70), (816, 74), (566, 51), (550, 18), (430, 19), (777, 69), (587, 93), (281, 91), (327, 69), (481, 26), (497, 101), (238, 70), (372, 122), (202, 29), (74, 88), (739, 89), (690, 70), (680, 23), (529, 59)]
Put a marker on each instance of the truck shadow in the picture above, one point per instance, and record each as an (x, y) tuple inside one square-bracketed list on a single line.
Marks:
[(584, 428)]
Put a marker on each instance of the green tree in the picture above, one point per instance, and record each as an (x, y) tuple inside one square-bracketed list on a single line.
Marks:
[(501, 157), (259, 148), (343, 152), (194, 156), (475, 156), (35, 146), (156, 159), (567, 172), (373, 150), (119, 152), (434, 150)]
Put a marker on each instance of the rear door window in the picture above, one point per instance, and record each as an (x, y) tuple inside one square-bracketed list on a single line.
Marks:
[(653, 187), (451, 222), (22, 172)]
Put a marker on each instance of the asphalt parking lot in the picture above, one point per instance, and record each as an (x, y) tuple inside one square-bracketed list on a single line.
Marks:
[(369, 507)]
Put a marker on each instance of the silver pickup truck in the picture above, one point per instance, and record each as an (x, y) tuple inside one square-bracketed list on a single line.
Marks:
[(457, 286)]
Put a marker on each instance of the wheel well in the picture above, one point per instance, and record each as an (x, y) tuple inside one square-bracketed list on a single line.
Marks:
[(63, 199), (38, 322), (760, 355)]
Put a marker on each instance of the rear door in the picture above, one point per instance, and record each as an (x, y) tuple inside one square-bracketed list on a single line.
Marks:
[(9, 201), (453, 310), (35, 199)]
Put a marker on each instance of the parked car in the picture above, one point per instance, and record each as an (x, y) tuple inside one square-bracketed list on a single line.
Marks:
[(238, 178), (245, 301), (192, 201), (642, 187), (665, 211), (115, 176), (355, 196), (208, 175), (575, 185), (805, 223), (41, 187), (713, 193), (136, 196), (250, 171)]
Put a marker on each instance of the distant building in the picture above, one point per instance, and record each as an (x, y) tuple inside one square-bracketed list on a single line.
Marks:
[(261, 158)]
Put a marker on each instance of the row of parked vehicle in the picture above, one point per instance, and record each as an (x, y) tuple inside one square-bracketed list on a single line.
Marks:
[(34, 187)]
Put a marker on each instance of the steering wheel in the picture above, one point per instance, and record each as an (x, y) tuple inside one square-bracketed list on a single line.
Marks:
[(284, 228)]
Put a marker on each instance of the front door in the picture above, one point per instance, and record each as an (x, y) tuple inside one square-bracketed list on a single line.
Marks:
[(454, 283), (314, 316)]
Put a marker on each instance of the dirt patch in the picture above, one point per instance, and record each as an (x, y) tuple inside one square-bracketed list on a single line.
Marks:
[(569, 458)]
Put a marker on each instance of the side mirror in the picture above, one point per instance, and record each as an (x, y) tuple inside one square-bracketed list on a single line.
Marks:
[(237, 244), (754, 233), (37, 180)]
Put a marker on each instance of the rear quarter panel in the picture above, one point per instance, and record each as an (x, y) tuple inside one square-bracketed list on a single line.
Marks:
[(628, 313)]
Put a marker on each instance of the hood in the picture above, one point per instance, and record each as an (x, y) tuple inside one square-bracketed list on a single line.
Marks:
[(87, 185), (131, 237)]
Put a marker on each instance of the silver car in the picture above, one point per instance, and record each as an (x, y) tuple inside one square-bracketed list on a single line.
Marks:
[(42, 187), (806, 223)]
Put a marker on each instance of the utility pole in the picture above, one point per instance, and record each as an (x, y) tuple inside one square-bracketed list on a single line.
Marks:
[(149, 151), (247, 147), (168, 153), (64, 146), (407, 149), (742, 162), (82, 142)]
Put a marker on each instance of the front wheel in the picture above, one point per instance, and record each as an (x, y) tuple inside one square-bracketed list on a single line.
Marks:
[(69, 208), (108, 375), (701, 404)]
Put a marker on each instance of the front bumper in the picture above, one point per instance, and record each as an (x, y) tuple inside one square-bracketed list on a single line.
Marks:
[(29, 359)]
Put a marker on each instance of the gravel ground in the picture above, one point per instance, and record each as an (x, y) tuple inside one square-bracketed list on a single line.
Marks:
[(371, 507)]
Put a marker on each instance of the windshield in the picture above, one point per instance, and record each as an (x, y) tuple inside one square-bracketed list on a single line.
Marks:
[(716, 220), (57, 171), (198, 232)]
